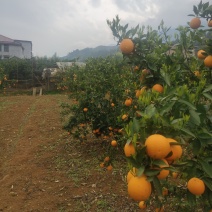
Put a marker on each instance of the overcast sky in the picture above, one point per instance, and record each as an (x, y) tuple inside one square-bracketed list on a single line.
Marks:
[(62, 26)]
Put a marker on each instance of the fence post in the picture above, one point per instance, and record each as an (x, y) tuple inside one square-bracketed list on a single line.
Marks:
[(41, 90), (34, 91)]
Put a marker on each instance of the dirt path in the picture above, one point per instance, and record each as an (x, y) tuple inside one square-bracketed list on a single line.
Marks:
[(44, 169)]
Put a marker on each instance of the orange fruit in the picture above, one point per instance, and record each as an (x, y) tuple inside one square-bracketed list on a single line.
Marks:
[(209, 23), (114, 143), (126, 46), (139, 188), (101, 165), (131, 173), (128, 102), (157, 146), (208, 61), (197, 74), (136, 68), (165, 191), (109, 168), (124, 117), (140, 92), (129, 149), (85, 109), (195, 23), (142, 205), (112, 104), (177, 150), (174, 175), (107, 159), (158, 88), (196, 186), (159, 209), (163, 173), (200, 54)]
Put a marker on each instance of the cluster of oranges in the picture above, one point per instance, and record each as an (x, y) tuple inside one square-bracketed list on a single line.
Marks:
[(106, 164), (158, 147)]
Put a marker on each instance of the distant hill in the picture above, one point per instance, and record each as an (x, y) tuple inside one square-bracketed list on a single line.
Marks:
[(99, 51)]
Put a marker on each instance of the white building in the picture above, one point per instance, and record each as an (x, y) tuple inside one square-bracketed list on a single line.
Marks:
[(15, 48)]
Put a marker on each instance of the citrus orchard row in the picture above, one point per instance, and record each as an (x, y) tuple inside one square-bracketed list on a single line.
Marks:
[(156, 105)]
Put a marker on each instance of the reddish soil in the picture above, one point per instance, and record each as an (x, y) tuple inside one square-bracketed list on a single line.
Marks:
[(42, 168)]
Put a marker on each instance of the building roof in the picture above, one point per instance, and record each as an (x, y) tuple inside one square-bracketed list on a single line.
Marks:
[(6, 40)]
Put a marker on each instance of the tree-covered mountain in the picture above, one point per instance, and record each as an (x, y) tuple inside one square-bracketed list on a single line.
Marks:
[(99, 51)]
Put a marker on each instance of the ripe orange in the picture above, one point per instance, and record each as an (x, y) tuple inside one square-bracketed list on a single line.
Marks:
[(209, 23), (163, 173), (114, 143), (107, 159), (85, 109), (195, 23), (112, 104), (109, 168), (200, 54), (208, 61), (197, 74), (131, 173), (128, 102), (142, 204), (158, 88), (129, 149), (139, 188), (141, 91), (165, 191), (101, 165), (126, 46), (159, 209), (124, 117), (136, 68), (174, 175), (177, 150), (157, 146), (196, 186)]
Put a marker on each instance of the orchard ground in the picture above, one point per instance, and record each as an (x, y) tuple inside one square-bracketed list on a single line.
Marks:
[(42, 168)]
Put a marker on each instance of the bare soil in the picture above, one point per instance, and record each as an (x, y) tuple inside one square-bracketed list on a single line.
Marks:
[(42, 168)]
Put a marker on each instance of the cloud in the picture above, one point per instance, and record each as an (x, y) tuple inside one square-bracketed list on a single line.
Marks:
[(65, 25)]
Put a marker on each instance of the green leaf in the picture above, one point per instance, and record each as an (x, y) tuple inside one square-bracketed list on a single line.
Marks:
[(196, 146), (140, 171), (188, 132), (209, 88), (191, 198), (166, 108), (208, 182), (207, 95), (158, 162), (187, 103), (157, 185), (206, 167), (150, 110), (151, 172), (195, 118), (166, 77), (135, 125)]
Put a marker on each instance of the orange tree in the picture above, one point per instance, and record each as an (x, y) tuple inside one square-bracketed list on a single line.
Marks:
[(170, 131)]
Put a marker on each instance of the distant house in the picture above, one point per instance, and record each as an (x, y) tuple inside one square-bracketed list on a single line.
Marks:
[(15, 48)]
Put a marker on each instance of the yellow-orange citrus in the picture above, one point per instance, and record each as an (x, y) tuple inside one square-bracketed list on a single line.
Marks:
[(158, 88), (129, 149), (196, 186), (128, 102), (197, 74), (136, 68), (131, 173), (107, 159), (159, 209), (85, 109), (209, 23), (142, 205), (157, 146), (126, 46), (139, 188), (110, 167), (112, 104), (177, 150), (165, 191), (101, 165), (195, 23), (124, 117), (208, 61), (163, 173), (200, 54), (141, 91), (174, 175), (114, 143)]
